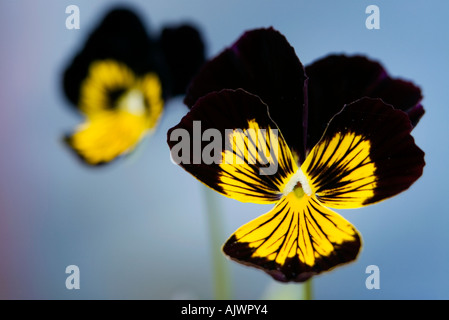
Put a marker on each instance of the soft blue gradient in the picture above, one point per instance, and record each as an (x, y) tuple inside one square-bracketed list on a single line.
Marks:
[(137, 229)]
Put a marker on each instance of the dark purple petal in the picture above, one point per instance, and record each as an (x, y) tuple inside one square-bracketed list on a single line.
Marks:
[(338, 79), (183, 49), (120, 36), (263, 63), (402, 95)]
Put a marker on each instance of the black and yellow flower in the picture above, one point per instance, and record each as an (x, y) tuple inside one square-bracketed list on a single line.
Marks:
[(120, 80), (357, 149)]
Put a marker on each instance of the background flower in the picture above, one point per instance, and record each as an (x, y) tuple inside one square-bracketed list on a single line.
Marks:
[(121, 78)]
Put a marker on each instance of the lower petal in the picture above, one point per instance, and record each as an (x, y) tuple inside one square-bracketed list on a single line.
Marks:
[(299, 238), (107, 136)]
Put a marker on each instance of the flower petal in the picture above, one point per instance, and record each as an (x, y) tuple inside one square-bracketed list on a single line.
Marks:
[(263, 63), (337, 80), (229, 142), (183, 50), (120, 37), (296, 240), (107, 135), (365, 155)]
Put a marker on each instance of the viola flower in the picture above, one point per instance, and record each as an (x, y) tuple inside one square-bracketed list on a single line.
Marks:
[(120, 80), (359, 152)]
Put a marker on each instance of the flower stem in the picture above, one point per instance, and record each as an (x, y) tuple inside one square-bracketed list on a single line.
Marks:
[(308, 290), (222, 283)]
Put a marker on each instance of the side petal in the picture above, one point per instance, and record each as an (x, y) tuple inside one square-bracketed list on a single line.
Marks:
[(365, 155), (229, 142), (299, 238), (337, 80), (263, 63)]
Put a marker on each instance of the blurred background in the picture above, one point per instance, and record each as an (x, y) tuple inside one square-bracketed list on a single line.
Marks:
[(138, 228)]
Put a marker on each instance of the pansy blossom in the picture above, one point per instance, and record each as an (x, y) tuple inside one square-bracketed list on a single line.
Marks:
[(364, 153), (120, 80)]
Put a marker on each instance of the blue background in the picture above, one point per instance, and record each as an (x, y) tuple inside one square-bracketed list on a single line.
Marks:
[(137, 229)]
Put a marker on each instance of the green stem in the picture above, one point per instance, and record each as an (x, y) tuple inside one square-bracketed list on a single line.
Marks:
[(222, 283), (308, 290)]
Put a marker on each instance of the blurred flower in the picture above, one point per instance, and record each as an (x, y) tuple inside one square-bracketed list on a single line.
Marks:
[(356, 151), (120, 80)]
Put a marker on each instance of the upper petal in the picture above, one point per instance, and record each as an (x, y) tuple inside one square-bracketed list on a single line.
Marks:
[(337, 80), (263, 63), (121, 37), (183, 50)]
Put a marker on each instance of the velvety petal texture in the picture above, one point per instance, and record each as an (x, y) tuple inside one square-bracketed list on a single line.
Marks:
[(263, 63), (183, 50), (337, 80)]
